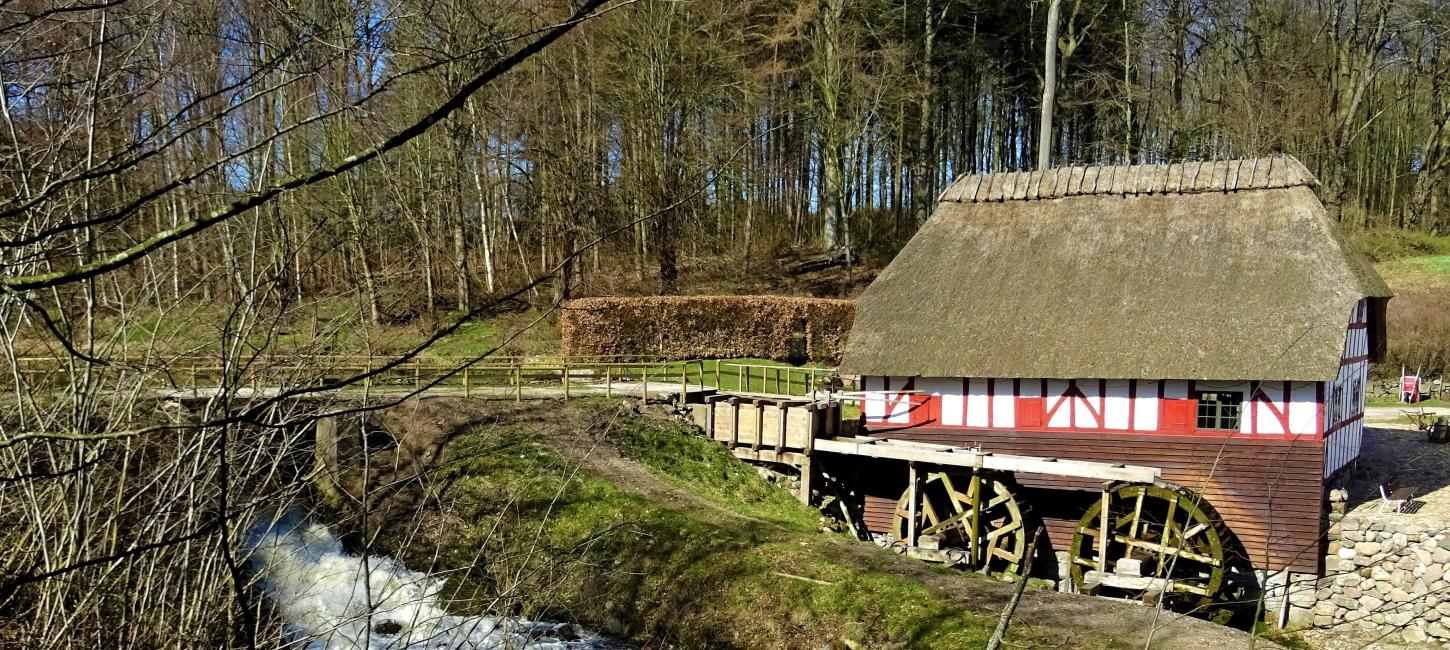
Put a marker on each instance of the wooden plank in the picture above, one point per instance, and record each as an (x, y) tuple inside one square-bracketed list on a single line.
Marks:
[(807, 478), (913, 503), (768, 456), (959, 457), (760, 425)]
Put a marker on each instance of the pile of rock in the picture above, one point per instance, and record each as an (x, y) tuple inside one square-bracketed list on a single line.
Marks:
[(1386, 574)]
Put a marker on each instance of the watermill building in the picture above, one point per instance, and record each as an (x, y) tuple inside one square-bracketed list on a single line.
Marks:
[(1206, 319)]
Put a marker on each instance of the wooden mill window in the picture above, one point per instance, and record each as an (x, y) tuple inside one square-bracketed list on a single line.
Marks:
[(1219, 409)]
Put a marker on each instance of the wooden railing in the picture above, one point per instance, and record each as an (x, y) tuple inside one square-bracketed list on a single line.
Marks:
[(493, 376)]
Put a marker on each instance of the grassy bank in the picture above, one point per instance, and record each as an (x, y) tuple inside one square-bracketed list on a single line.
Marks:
[(737, 562), (625, 522)]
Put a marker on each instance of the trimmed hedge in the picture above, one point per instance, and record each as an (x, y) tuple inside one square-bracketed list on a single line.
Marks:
[(708, 327)]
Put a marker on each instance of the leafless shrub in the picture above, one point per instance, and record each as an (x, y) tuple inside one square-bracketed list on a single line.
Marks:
[(707, 326)]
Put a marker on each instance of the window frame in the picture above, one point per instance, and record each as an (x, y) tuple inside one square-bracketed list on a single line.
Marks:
[(1224, 401)]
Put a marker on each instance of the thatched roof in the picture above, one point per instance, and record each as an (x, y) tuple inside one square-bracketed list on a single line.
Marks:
[(1224, 270)]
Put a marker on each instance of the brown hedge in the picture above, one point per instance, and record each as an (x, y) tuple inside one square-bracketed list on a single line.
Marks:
[(698, 327)]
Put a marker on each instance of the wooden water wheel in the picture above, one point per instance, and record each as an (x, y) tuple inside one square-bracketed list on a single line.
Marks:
[(1163, 540), (976, 518)]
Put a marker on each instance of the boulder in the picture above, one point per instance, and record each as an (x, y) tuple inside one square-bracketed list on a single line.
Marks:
[(1399, 618), (1414, 635)]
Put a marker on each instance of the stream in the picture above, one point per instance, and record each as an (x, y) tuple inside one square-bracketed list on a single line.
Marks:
[(333, 600)]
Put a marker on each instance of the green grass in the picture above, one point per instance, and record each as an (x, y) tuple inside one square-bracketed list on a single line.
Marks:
[(1430, 263), (691, 574), (1386, 244), (1390, 401)]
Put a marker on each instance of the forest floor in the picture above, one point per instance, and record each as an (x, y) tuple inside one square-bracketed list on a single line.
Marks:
[(615, 517)]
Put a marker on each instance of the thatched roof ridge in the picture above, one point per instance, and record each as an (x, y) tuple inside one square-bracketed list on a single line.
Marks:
[(1275, 172), (1114, 272)]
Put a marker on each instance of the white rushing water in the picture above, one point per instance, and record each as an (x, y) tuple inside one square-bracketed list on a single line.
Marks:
[(333, 600)]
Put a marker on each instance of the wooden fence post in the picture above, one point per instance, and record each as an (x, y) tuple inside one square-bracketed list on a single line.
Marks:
[(608, 380), (565, 379), (683, 384), (466, 391), (718, 385), (644, 382), (518, 383)]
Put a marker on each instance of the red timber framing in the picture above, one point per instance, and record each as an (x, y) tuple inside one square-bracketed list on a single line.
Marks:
[(1167, 407)]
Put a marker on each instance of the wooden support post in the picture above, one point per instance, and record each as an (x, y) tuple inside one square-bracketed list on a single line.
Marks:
[(518, 383), (913, 503), (740, 384), (644, 382), (734, 422), (608, 380), (718, 385), (1104, 531), (466, 384), (782, 416), (811, 429), (759, 425), (683, 384), (325, 444), (417, 375), (565, 379), (974, 496), (806, 475)]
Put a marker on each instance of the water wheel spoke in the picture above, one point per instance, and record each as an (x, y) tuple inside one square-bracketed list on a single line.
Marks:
[(1009, 527), (928, 513), (1179, 585), (1167, 550), (957, 498), (1194, 531), (1007, 555), (947, 523)]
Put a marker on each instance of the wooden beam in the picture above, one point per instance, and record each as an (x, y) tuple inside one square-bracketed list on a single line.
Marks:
[(1105, 528), (766, 455), (782, 412), (807, 473), (734, 422), (759, 425), (961, 457), (913, 503)]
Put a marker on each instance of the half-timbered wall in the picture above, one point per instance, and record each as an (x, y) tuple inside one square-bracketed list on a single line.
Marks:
[(1344, 405), (1268, 408)]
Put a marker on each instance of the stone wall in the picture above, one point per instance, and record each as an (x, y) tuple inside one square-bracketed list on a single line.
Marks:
[(1385, 574)]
